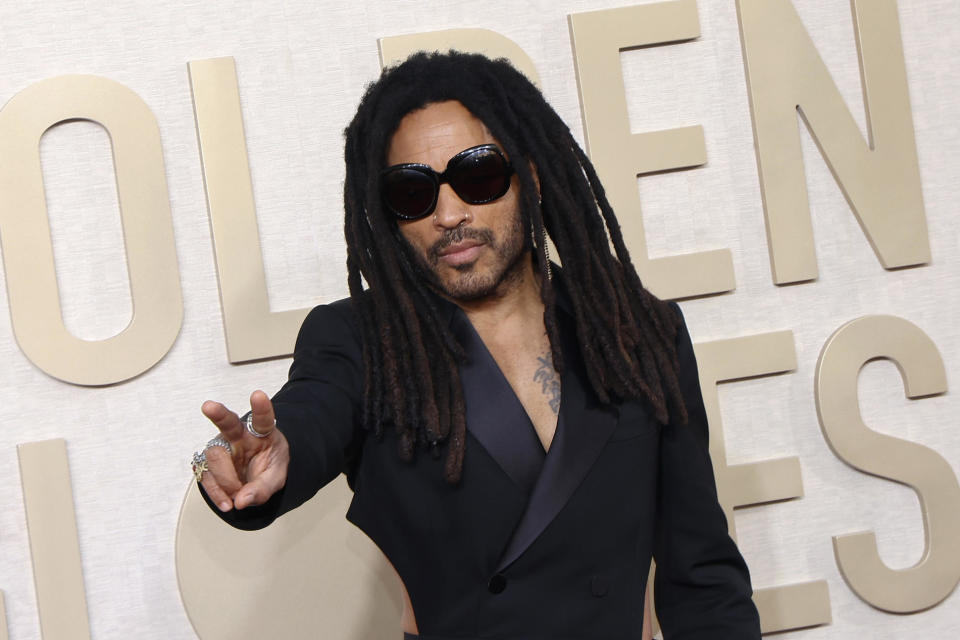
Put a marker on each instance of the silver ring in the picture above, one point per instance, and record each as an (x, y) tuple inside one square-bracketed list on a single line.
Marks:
[(198, 464), (248, 423), (218, 441)]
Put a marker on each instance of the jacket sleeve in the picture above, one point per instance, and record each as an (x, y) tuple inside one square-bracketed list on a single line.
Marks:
[(702, 585), (317, 410)]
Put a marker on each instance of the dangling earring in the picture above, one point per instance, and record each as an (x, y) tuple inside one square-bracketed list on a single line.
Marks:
[(546, 246)]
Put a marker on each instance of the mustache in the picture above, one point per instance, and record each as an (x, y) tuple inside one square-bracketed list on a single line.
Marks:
[(455, 235)]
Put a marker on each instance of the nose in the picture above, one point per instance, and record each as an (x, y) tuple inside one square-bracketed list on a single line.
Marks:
[(451, 211)]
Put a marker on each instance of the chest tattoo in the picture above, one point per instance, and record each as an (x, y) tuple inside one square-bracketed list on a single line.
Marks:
[(549, 381)]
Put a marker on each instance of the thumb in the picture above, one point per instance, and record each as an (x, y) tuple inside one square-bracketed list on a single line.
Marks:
[(260, 489)]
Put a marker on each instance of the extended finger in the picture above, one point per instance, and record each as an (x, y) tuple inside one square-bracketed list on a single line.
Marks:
[(264, 421), (227, 421)]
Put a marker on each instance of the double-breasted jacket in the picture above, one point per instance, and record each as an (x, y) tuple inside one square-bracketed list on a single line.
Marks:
[(529, 545)]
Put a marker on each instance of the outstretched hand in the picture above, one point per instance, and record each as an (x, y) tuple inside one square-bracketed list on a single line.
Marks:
[(257, 469)]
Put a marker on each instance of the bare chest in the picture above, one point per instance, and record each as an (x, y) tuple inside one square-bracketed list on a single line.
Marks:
[(530, 373)]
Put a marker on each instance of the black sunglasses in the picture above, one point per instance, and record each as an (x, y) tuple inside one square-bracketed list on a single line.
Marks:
[(477, 175)]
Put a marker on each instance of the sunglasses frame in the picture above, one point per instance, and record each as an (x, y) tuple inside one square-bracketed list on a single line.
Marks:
[(444, 178)]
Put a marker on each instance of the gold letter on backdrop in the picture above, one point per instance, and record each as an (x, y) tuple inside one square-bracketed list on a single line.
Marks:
[(252, 331), (395, 49), (880, 178), (922, 469), (147, 231), (619, 156), (788, 606), (52, 529), (3, 619)]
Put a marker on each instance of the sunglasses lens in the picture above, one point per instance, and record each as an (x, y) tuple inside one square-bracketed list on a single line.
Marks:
[(477, 175), (480, 176), (409, 193)]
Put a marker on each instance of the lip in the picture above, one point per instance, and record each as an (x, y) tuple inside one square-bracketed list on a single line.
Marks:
[(461, 252)]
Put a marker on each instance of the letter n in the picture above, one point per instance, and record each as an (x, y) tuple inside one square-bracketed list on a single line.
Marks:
[(879, 177)]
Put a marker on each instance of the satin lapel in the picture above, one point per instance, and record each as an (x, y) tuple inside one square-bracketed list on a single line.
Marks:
[(583, 428), (495, 416)]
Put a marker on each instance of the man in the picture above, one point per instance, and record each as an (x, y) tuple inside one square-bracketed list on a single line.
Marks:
[(520, 440)]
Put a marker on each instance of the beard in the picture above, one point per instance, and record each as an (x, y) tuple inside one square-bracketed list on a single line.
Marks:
[(469, 282)]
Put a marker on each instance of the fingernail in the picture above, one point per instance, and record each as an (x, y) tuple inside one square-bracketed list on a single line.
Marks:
[(224, 506)]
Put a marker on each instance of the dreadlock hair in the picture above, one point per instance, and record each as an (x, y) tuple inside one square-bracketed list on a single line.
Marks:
[(626, 335)]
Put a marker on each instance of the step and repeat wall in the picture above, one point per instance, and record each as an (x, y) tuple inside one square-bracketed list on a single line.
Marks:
[(170, 209)]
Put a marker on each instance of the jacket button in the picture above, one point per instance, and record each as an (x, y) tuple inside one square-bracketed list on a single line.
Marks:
[(497, 583), (599, 586)]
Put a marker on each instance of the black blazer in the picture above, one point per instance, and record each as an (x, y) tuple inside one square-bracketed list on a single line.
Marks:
[(528, 545)]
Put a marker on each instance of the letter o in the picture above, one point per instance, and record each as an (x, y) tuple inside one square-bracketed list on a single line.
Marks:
[(147, 231)]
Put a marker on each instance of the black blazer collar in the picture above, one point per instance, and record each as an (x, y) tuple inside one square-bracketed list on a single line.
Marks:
[(495, 416), (583, 428), (499, 423)]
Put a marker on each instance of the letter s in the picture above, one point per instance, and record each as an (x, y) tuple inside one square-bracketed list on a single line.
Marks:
[(924, 470)]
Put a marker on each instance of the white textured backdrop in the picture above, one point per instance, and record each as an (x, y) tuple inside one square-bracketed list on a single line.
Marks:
[(301, 67)]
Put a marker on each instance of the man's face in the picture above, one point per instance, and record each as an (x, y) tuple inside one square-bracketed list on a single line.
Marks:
[(468, 251)]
